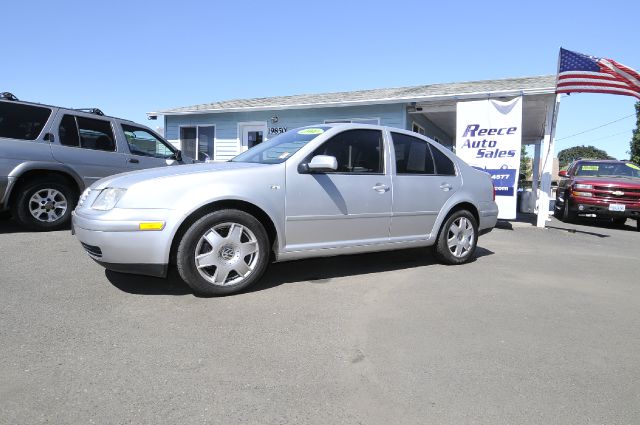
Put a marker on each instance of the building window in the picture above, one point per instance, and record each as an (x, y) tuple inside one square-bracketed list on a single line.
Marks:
[(197, 141), (417, 128), (374, 121)]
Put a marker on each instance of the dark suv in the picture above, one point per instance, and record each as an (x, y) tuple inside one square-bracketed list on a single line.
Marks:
[(606, 188), (48, 155)]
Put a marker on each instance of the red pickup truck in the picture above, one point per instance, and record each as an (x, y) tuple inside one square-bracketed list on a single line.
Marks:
[(606, 188)]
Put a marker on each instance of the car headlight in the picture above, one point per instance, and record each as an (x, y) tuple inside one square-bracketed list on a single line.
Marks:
[(108, 198), (583, 186)]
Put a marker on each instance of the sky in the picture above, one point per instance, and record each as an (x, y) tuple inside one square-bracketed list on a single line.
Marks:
[(130, 58)]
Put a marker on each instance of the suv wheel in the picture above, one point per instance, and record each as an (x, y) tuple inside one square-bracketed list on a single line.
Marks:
[(457, 239), (224, 252), (44, 205)]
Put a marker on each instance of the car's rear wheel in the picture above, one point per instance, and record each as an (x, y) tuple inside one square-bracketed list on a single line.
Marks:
[(458, 238), (44, 205), (223, 252)]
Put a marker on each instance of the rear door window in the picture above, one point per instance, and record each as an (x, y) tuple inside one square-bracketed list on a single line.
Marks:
[(413, 155), (444, 166), (86, 133), (25, 122)]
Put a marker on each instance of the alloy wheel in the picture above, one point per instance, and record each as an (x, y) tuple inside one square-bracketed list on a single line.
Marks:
[(48, 205), (460, 237), (227, 254)]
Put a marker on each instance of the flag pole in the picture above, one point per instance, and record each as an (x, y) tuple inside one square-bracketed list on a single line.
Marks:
[(544, 185)]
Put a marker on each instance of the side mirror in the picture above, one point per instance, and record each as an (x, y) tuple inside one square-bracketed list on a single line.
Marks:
[(322, 163), (178, 155), (563, 173), (49, 137)]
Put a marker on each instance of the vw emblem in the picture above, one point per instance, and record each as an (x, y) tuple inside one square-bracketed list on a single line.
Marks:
[(227, 252), (617, 193)]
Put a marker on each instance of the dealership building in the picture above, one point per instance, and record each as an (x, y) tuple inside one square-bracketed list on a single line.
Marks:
[(220, 130)]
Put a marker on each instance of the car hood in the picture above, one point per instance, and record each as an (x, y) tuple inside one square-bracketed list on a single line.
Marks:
[(126, 180), (630, 182)]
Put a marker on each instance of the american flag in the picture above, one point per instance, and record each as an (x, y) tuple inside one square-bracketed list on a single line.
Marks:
[(589, 74)]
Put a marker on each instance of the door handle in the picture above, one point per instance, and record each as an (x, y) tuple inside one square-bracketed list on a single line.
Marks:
[(134, 161), (446, 187), (380, 188)]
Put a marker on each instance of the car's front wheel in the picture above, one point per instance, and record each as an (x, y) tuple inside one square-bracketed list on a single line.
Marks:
[(458, 238), (223, 252)]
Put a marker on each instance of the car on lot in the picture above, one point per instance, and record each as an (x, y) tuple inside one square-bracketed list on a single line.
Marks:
[(604, 188), (314, 191), (49, 155)]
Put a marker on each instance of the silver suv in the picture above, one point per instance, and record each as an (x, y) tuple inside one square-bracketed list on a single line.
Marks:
[(48, 155)]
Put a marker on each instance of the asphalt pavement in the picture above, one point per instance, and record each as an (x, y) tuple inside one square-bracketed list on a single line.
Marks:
[(543, 328)]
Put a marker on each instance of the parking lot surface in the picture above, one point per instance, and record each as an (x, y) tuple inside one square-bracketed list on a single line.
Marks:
[(542, 328)]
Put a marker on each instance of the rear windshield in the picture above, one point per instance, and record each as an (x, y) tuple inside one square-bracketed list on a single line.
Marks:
[(25, 122), (609, 169)]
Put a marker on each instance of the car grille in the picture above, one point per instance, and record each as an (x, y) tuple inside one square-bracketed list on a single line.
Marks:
[(92, 250), (606, 192)]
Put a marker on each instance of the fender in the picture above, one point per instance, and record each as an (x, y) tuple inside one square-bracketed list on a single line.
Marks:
[(27, 166), (447, 208)]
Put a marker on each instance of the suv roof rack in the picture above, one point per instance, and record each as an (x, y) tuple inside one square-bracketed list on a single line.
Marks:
[(8, 96), (94, 111)]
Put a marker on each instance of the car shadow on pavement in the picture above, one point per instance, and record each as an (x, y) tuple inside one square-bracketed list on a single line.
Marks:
[(315, 270), (9, 226)]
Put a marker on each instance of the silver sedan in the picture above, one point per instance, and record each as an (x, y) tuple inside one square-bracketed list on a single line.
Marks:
[(315, 191)]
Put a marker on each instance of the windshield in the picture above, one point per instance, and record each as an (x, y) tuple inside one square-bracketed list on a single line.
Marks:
[(613, 169), (281, 147)]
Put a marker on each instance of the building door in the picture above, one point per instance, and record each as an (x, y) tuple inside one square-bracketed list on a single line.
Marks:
[(252, 134), (197, 142)]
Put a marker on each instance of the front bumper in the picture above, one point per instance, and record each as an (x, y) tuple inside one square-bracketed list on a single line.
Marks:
[(582, 205), (117, 244)]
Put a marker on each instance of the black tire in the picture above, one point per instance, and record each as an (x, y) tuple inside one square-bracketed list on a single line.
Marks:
[(449, 255), (568, 216), (51, 206), (557, 210), (638, 225), (619, 221), (226, 251)]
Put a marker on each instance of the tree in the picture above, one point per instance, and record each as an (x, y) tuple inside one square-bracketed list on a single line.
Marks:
[(566, 156), (525, 163), (634, 153)]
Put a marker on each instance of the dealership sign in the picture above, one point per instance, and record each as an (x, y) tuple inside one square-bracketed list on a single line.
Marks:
[(488, 137)]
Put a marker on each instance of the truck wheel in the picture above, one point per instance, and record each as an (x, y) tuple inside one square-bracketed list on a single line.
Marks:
[(619, 221), (568, 216), (557, 210), (222, 253), (44, 205), (457, 239)]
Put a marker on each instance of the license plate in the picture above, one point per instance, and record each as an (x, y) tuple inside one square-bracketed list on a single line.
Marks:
[(616, 207)]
